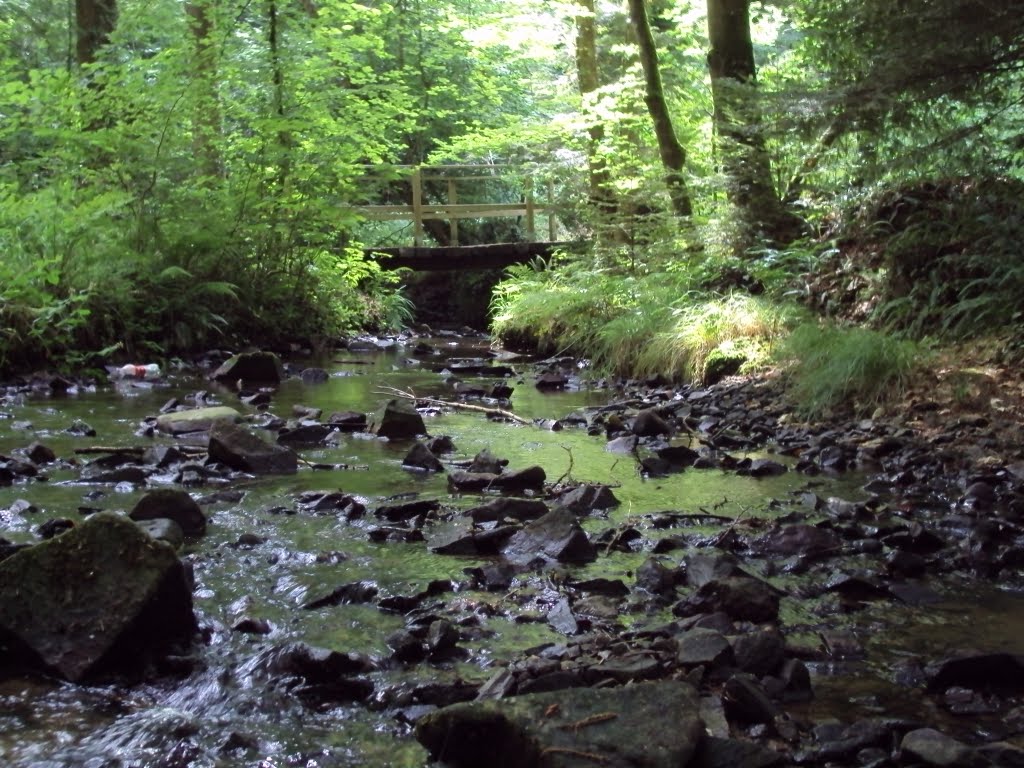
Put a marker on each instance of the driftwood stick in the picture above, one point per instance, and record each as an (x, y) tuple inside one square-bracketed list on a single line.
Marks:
[(111, 449), (393, 392)]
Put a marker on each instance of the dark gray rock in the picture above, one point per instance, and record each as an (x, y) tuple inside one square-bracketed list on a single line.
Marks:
[(164, 529), (1002, 672), (240, 449), (703, 646), (40, 454), (626, 444), (656, 578), (742, 598), (470, 482), (649, 423), (654, 725), (760, 653), (420, 457), (677, 456), (314, 376), (746, 701), (399, 420), (347, 421), (487, 462), (504, 508), (304, 434), (530, 478), (586, 498), (556, 536), (798, 540), (172, 504), (715, 752), (250, 367), (936, 748), (98, 598)]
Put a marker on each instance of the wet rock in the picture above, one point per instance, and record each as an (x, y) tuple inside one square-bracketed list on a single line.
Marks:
[(584, 499), (548, 381), (700, 568), (174, 505), (304, 434), (314, 376), (493, 577), (241, 449), (623, 445), (420, 457), (935, 748), (530, 478), (164, 529), (196, 419), (406, 647), (407, 510), (761, 468), (441, 640), (486, 462), (55, 526), (703, 646), (79, 428), (95, 599), (40, 454), (1001, 672), (440, 444), (799, 540), (716, 752), (677, 456), (504, 508), (309, 663), (347, 421), (656, 725), (656, 578), (556, 536), (132, 475), (249, 625), (649, 423), (353, 592), (457, 537), (501, 392), (746, 701), (760, 653), (250, 367), (742, 598), (399, 420)]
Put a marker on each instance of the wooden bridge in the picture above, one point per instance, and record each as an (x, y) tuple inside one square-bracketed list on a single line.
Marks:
[(413, 185)]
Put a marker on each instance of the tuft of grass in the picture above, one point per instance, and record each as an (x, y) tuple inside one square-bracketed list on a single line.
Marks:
[(831, 367), (736, 324)]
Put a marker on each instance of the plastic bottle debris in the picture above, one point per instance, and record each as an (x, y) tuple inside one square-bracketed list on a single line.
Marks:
[(148, 372)]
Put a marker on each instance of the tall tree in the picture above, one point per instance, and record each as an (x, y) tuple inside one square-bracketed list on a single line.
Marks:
[(602, 196), (95, 21), (673, 156), (206, 119), (737, 123)]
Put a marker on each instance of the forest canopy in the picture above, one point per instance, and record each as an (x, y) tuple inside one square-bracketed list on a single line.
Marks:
[(177, 174)]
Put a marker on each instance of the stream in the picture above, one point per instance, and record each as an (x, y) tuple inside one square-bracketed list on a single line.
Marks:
[(224, 713)]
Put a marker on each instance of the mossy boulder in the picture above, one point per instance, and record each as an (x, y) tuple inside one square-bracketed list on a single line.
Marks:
[(655, 725), (196, 419), (101, 598)]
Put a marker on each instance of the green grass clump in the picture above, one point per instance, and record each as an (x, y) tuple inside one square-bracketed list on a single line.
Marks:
[(738, 324), (831, 367)]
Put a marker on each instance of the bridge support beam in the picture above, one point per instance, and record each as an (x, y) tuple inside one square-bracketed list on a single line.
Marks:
[(495, 256)]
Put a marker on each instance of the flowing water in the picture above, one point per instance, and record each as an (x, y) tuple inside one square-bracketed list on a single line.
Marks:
[(226, 701)]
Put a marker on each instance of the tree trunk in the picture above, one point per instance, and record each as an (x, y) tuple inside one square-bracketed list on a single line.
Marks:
[(602, 197), (737, 121), (95, 20), (206, 128), (284, 137), (673, 156)]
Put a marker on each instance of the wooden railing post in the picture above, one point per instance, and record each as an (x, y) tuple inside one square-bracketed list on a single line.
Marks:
[(531, 229), (551, 210), (453, 223), (417, 207)]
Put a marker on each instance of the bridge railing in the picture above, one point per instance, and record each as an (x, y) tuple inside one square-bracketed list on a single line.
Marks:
[(451, 210)]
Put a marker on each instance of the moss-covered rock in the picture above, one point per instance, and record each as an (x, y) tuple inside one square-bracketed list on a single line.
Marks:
[(655, 725), (103, 597)]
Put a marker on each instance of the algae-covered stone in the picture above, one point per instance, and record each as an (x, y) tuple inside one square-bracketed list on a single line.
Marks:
[(654, 725), (255, 367), (101, 597), (196, 419)]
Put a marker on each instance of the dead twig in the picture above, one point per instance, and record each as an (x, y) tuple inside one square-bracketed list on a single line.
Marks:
[(393, 392), (601, 717), (574, 753)]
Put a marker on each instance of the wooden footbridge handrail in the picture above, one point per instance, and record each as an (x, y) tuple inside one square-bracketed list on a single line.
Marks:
[(452, 210)]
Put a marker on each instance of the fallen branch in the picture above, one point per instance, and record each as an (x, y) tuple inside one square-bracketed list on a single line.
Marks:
[(393, 392)]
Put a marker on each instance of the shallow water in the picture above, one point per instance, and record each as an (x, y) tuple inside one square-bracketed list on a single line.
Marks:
[(186, 722)]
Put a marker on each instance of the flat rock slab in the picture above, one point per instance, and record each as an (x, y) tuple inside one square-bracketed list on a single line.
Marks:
[(196, 419), (91, 599), (648, 725), (243, 450)]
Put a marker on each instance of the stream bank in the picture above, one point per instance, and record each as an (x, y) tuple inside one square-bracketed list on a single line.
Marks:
[(832, 566)]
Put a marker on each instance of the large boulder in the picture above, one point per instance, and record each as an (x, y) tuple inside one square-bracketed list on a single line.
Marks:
[(399, 420), (196, 419), (653, 725), (93, 600), (173, 504), (240, 449), (251, 367)]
